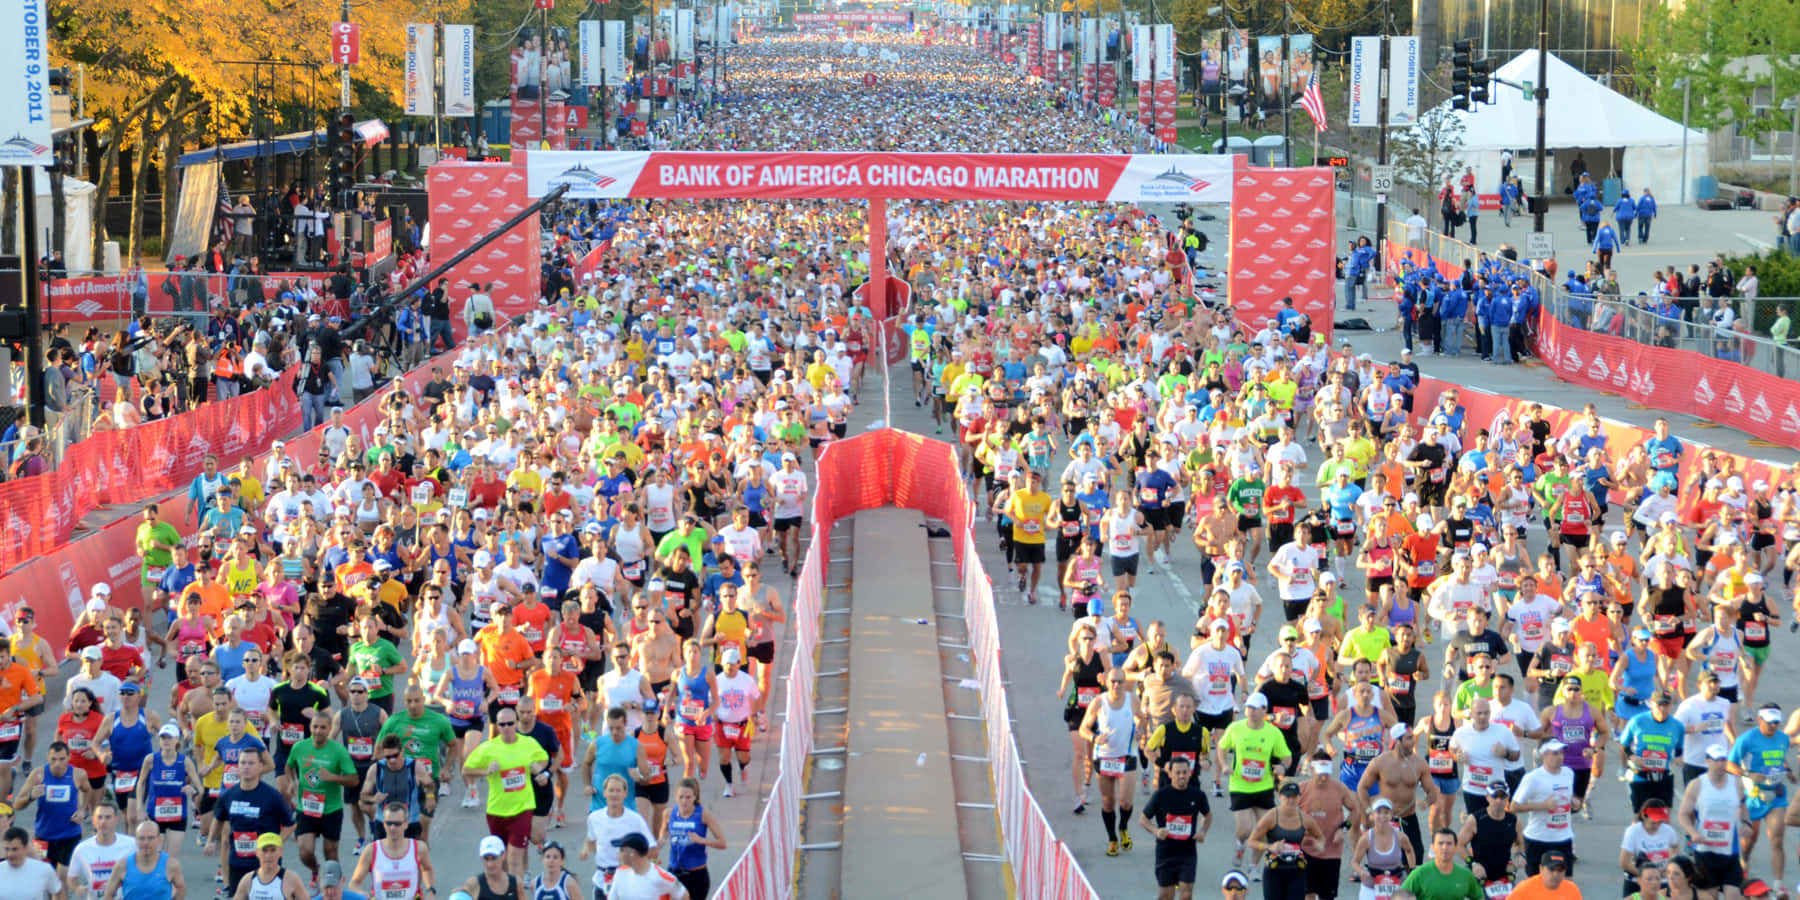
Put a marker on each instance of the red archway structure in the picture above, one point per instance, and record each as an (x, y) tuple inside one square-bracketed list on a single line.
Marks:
[(1282, 222)]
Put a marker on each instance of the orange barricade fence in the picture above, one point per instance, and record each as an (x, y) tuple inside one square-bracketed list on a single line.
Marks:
[(1497, 411), (56, 582), (882, 468)]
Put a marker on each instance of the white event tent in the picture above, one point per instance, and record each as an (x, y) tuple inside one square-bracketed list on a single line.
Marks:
[(1610, 131)]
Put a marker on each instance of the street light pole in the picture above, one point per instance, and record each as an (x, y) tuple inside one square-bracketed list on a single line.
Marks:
[(1381, 133), (1287, 101), (1687, 93), (1542, 202)]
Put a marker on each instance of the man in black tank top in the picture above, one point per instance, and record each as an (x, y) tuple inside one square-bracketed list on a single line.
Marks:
[(1492, 835)]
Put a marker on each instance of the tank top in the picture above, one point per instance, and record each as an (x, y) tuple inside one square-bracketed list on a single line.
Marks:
[(404, 783), (1115, 730), (659, 507), (1381, 559), (1123, 540), (1640, 677), (1753, 628), (1668, 606), (26, 651), (466, 695), (684, 851), (1069, 514), (1716, 809), (629, 543), (1391, 861), (396, 878), (507, 891), (1494, 839), (190, 638), (56, 809), (448, 555), (1575, 733), (1278, 836), (613, 758), (1403, 615), (731, 628), (1722, 658), (1440, 758), (656, 755), (696, 695), (1401, 686), (573, 643), (358, 731), (1087, 681), (80, 738), (1362, 743), (130, 744), (151, 885), (557, 891), (166, 801)]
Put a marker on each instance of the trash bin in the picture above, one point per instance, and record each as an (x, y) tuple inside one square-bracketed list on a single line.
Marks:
[(1609, 191), (1706, 187)]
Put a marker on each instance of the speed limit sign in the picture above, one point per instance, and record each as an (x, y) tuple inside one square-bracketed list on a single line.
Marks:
[(1381, 179)]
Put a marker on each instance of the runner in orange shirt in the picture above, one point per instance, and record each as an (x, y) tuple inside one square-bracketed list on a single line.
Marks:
[(215, 598), (559, 699), (506, 654), (18, 690), (532, 617)]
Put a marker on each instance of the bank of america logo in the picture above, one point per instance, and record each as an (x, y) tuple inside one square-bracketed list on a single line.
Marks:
[(21, 142), (1176, 176), (582, 176)]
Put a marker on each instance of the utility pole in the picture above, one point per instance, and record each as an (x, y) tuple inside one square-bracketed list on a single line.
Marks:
[(344, 67), (1287, 101), (1225, 87), (544, 77), (1381, 132), (1541, 202)]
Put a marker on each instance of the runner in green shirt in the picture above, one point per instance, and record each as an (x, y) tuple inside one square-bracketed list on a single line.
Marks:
[(320, 769), (376, 660), (1441, 877), (1254, 744), (423, 732)]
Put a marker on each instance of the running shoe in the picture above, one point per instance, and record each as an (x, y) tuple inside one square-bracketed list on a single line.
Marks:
[(469, 800), (562, 819), (1021, 581), (1124, 839), (1256, 875), (1112, 848), (1219, 791), (1080, 807), (728, 792)]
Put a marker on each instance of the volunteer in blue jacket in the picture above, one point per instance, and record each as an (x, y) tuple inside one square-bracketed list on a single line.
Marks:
[(1500, 310), (1625, 211), (1646, 210), (1453, 313), (1606, 242)]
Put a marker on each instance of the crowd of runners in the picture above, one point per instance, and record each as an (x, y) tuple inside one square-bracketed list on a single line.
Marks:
[(557, 571)]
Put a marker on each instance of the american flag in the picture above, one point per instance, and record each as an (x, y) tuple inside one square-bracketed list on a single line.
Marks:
[(1314, 102), (227, 222)]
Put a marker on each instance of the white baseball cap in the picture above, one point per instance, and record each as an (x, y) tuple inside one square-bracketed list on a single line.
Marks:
[(492, 846)]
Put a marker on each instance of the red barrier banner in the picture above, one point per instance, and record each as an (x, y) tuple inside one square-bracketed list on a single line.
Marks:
[(1681, 381), (594, 174), (469, 200), (120, 467), (1283, 231)]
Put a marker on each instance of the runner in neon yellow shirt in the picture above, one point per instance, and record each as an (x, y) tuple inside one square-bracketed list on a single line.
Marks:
[(1253, 744), (510, 763)]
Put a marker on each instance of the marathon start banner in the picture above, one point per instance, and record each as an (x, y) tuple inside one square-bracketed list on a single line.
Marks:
[(598, 175)]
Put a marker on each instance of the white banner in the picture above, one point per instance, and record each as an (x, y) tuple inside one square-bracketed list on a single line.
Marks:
[(25, 113), (1365, 82), (421, 60), (1140, 53), (1052, 33), (1165, 52), (1403, 81), (459, 71), (1090, 41), (613, 55), (590, 52), (684, 34)]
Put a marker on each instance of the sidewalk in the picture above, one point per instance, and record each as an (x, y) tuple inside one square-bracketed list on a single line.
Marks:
[(1534, 381)]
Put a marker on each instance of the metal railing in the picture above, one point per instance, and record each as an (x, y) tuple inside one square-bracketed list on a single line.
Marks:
[(1628, 317)]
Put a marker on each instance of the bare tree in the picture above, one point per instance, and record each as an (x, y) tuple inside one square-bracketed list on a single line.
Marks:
[(1426, 154)]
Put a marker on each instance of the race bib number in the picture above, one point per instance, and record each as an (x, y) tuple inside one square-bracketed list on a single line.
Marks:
[(1437, 476), (692, 710), (1574, 734), (510, 695), (397, 889), (1756, 631), (243, 843), (1217, 685), (1114, 766), (1715, 834), (362, 748), (1667, 624), (9, 731), (462, 709), (1427, 568), (731, 729), (1180, 827), (230, 778), (550, 704), (1654, 761), (1481, 776), (655, 770), (124, 782), (1071, 529), (457, 498), (80, 744), (1254, 770), (512, 780), (167, 809), (1498, 890), (1086, 695), (1442, 763), (1032, 526), (291, 734), (1401, 685), (1284, 717), (154, 574), (312, 804), (58, 793)]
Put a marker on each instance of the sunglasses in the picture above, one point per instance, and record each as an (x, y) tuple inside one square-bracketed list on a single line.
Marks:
[(510, 723), (358, 691)]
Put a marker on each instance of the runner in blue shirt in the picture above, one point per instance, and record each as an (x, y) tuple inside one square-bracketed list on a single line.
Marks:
[(1652, 741), (1760, 756)]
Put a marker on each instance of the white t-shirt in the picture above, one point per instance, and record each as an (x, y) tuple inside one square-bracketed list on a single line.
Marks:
[(619, 688), (1299, 564), (1658, 847), (1540, 785), (1518, 712), (1531, 619), (602, 829), (32, 880), (1211, 670), (1484, 767), (251, 696), (655, 884), (93, 864), (1709, 718)]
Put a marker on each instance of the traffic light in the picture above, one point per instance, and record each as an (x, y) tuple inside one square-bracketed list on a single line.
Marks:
[(1460, 57), (343, 156), (1481, 77)]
